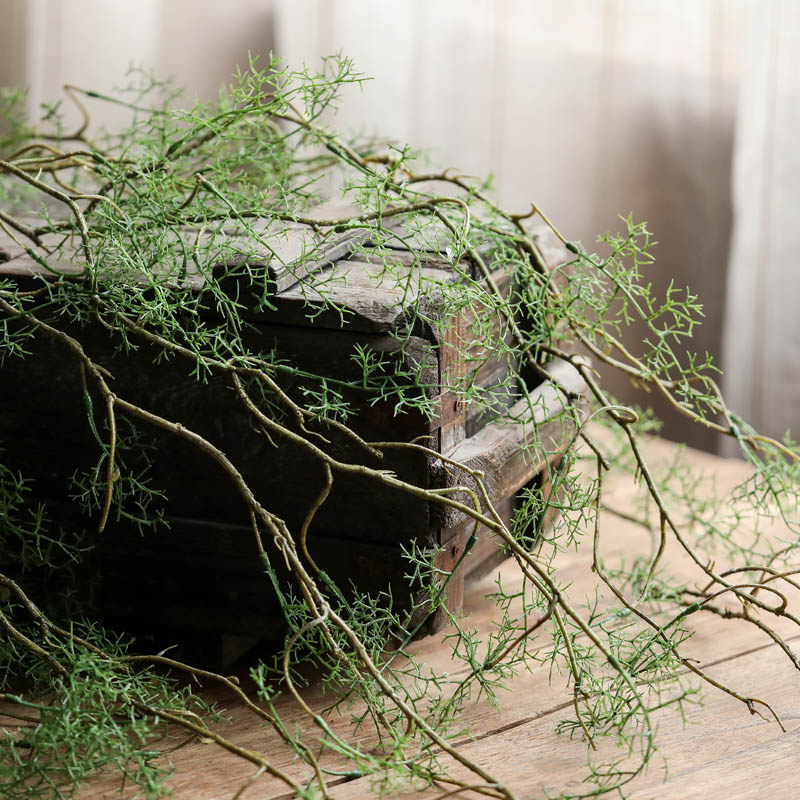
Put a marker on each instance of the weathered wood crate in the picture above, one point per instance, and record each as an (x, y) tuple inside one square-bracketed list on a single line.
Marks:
[(203, 574)]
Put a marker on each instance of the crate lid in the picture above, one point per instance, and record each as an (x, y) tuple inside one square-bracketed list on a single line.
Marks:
[(316, 275)]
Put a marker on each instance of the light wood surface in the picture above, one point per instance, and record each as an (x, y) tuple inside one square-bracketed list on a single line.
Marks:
[(721, 751)]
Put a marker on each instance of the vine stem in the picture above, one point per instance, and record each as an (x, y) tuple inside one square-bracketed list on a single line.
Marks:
[(258, 386)]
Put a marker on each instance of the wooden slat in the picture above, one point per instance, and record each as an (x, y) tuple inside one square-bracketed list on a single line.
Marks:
[(46, 435), (452, 373), (506, 451), (292, 252), (532, 759), (9, 249), (15, 261), (396, 257), (767, 765), (357, 295), (724, 753), (222, 586), (287, 251)]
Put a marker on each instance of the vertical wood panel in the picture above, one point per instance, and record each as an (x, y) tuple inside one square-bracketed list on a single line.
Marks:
[(12, 42), (549, 151), (456, 95), (88, 43), (201, 42), (763, 263), (92, 43), (497, 132), (762, 332), (604, 167), (378, 37)]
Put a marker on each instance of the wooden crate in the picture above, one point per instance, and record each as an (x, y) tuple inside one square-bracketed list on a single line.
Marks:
[(203, 575)]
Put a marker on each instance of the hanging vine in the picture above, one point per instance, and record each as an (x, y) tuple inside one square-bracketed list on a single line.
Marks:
[(131, 233)]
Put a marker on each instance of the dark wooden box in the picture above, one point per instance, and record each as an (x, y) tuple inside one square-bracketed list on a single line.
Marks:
[(203, 574)]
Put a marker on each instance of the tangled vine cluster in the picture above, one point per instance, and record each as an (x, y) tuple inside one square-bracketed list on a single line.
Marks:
[(124, 227)]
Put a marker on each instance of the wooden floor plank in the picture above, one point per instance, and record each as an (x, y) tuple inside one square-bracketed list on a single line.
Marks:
[(518, 740), (532, 759), (768, 769)]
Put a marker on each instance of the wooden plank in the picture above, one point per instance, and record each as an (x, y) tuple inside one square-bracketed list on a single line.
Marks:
[(519, 740), (286, 250), (357, 295), (300, 261), (500, 393), (447, 558), (486, 555), (44, 427), (465, 360), (452, 373), (511, 451), (300, 250), (550, 246), (27, 271), (483, 557), (293, 253), (528, 746), (9, 249), (761, 768), (207, 577), (544, 762), (396, 257)]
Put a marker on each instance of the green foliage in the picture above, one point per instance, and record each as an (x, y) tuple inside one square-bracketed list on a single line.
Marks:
[(23, 530), (97, 713), (170, 227)]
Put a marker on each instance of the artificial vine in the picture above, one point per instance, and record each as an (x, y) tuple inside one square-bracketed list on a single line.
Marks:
[(106, 217)]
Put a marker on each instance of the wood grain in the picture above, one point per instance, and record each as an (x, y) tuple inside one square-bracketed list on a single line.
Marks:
[(530, 757), (323, 312), (511, 451), (721, 753)]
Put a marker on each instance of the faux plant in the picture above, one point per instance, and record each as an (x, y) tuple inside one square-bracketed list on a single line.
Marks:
[(116, 208)]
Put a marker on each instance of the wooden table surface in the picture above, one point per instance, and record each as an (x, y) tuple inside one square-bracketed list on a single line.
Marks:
[(721, 752)]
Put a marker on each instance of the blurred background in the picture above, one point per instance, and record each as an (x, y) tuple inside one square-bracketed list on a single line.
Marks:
[(684, 112)]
